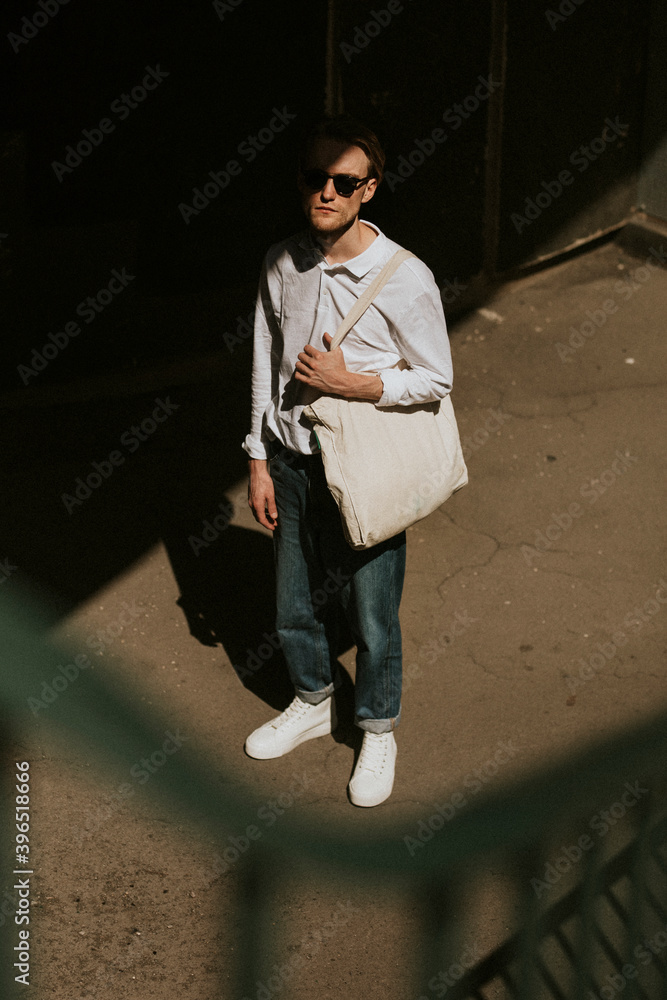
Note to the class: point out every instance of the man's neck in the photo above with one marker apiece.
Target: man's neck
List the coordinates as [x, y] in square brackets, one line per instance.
[341, 247]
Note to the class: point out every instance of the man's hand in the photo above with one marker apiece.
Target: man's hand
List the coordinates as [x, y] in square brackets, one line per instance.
[261, 494]
[326, 371]
[323, 370]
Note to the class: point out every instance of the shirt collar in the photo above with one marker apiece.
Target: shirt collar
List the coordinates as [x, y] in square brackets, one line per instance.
[357, 266]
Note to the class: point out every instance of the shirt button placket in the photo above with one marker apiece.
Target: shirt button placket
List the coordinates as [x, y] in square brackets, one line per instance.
[323, 303]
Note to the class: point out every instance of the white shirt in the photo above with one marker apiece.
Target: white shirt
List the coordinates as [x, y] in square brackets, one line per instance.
[301, 297]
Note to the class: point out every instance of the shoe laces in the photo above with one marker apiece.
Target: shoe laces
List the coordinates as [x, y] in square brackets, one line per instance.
[293, 713]
[374, 751]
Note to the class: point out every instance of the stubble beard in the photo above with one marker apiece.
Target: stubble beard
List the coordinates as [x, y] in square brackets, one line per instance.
[330, 232]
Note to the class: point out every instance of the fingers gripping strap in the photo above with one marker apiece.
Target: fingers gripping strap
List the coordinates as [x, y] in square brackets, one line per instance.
[364, 300]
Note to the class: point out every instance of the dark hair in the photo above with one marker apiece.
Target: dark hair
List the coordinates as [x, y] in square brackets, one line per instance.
[346, 129]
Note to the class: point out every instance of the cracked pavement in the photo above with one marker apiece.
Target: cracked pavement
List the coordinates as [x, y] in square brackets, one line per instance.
[549, 551]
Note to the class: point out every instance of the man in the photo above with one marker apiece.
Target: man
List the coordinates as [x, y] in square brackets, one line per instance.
[308, 285]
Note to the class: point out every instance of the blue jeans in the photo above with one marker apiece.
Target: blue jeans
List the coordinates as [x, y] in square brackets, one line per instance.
[317, 575]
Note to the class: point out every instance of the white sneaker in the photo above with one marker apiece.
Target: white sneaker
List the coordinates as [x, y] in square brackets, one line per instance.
[299, 722]
[373, 777]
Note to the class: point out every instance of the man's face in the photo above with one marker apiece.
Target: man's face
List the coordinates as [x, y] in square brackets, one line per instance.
[327, 211]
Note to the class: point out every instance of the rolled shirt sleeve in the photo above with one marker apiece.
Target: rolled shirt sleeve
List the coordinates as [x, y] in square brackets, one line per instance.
[266, 340]
[420, 335]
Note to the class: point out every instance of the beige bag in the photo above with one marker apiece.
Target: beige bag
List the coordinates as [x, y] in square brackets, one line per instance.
[386, 467]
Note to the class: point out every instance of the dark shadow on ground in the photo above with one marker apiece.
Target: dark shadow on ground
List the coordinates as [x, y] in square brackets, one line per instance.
[228, 598]
[91, 487]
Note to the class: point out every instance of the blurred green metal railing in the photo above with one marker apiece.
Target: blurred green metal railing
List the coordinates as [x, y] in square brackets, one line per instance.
[574, 947]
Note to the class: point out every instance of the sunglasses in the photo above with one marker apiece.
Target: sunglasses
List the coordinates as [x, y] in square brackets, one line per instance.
[343, 183]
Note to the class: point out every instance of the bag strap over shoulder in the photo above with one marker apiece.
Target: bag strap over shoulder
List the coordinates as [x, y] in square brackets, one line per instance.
[364, 300]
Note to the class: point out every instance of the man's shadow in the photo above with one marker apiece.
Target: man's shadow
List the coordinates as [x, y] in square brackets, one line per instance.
[228, 597]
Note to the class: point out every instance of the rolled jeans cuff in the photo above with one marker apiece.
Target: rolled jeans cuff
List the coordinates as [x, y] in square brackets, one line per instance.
[316, 697]
[377, 725]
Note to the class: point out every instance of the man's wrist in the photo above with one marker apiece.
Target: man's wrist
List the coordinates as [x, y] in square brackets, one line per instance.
[360, 386]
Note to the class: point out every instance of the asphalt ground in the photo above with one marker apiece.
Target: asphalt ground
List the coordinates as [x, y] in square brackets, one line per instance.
[530, 621]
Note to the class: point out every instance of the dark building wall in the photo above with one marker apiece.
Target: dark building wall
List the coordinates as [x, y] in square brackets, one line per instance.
[490, 193]
[573, 108]
[480, 105]
[239, 80]
[415, 76]
[653, 176]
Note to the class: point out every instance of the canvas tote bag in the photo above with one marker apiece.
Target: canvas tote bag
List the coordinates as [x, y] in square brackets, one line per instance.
[386, 467]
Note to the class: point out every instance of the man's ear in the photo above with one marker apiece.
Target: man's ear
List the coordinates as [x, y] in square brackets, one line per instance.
[371, 188]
